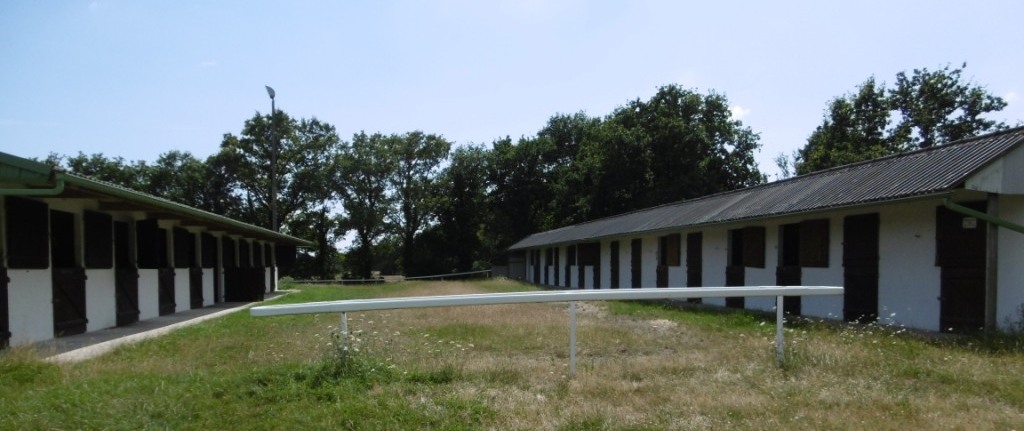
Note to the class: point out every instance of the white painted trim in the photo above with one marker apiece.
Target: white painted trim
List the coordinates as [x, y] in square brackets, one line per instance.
[538, 297]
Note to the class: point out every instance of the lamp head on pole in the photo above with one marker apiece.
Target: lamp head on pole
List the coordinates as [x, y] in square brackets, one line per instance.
[270, 92]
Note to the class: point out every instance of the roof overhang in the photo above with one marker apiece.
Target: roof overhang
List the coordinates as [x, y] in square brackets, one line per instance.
[30, 178]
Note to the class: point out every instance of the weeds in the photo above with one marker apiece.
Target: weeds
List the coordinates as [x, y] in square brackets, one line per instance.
[504, 367]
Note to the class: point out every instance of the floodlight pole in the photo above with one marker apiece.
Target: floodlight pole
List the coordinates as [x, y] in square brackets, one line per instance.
[273, 162]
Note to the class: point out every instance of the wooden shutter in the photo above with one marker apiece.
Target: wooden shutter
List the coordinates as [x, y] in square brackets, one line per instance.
[814, 242]
[753, 246]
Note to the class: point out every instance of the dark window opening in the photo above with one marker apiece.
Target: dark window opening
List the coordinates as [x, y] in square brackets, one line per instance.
[99, 240]
[813, 243]
[243, 254]
[790, 243]
[151, 244]
[746, 247]
[209, 246]
[27, 233]
[228, 245]
[184, 248]
[669, 250]
[62, 239]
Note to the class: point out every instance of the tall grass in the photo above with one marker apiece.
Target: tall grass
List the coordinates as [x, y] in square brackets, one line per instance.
[641, 366]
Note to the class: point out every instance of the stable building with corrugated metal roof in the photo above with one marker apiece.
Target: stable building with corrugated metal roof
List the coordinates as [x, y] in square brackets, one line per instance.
[80, 255]
[930, 239]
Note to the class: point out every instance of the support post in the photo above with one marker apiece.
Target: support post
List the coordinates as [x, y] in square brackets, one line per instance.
[344, 331]
[992, 265]
[572, 338]
[779, 341]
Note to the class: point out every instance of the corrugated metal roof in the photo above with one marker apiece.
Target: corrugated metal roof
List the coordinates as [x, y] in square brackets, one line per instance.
[918, 173]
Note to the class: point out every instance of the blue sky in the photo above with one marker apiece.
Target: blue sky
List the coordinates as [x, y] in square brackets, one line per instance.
[139, 78]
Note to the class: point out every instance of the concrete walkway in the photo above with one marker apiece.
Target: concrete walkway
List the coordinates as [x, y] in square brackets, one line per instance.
[76, 348]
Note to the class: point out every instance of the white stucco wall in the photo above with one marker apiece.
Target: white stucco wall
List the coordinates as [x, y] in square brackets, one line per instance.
[909, 281]
[268, 279]
[606, 265]
[207, 287]
[182, 294]
[588, 277]
[677, 274]
[829, 307]
[100, 299]
[715, 249]
[30, 299]
[1010, 294]
[763, 276]
[149, 294]
[649, 275]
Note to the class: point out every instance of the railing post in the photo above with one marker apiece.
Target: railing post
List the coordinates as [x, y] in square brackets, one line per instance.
[572, 338]
[344, 331]
[778, 331]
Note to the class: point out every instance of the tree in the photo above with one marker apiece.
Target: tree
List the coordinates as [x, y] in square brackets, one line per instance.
[520, 195]
[417, 157]
[937, 107]
[115, 170]
[180, 177]
[854, 129]
[323, 228]
[298, 153]
[365, 167]
[925, 108]
[461, 214]
[696, 147]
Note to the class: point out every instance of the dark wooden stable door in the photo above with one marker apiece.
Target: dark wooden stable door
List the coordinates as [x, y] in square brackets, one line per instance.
[860, 268]
[165, 285]
[195, 284]
[126, 278]
[636, 262]
[694, 262]
[613, 265]
[735, 272]
[68, 280]
[788, 273]
[961, 243]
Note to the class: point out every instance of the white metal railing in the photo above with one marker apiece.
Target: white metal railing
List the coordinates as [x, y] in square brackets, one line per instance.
[570, 296]
[454, 275]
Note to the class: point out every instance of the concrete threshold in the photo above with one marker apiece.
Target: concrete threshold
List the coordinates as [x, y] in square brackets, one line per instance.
[81, 347]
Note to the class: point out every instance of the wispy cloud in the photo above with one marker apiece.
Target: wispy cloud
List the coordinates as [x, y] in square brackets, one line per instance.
[738, 112]
[1011, 97]
[13, 122]
[208, 63]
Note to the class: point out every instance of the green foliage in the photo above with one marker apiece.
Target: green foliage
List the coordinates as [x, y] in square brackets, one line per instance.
[365, 165]
[414, 182]
[417, 207]
[925, 108]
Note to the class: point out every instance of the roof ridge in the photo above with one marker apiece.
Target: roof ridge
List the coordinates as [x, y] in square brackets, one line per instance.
[901, 176]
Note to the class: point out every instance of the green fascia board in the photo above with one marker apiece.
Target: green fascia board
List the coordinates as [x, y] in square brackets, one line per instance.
[174, 207]
[14, 169]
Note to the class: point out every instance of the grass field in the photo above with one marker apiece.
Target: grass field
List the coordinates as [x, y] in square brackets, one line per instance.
[641, 367]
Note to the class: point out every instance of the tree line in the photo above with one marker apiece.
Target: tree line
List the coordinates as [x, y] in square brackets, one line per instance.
[414, 203]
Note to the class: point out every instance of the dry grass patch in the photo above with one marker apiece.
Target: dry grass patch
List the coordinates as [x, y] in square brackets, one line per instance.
[640, 366]
[657, 371]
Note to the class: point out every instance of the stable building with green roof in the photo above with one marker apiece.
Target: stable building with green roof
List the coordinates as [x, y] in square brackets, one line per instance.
[930, 239]
[80, 255]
